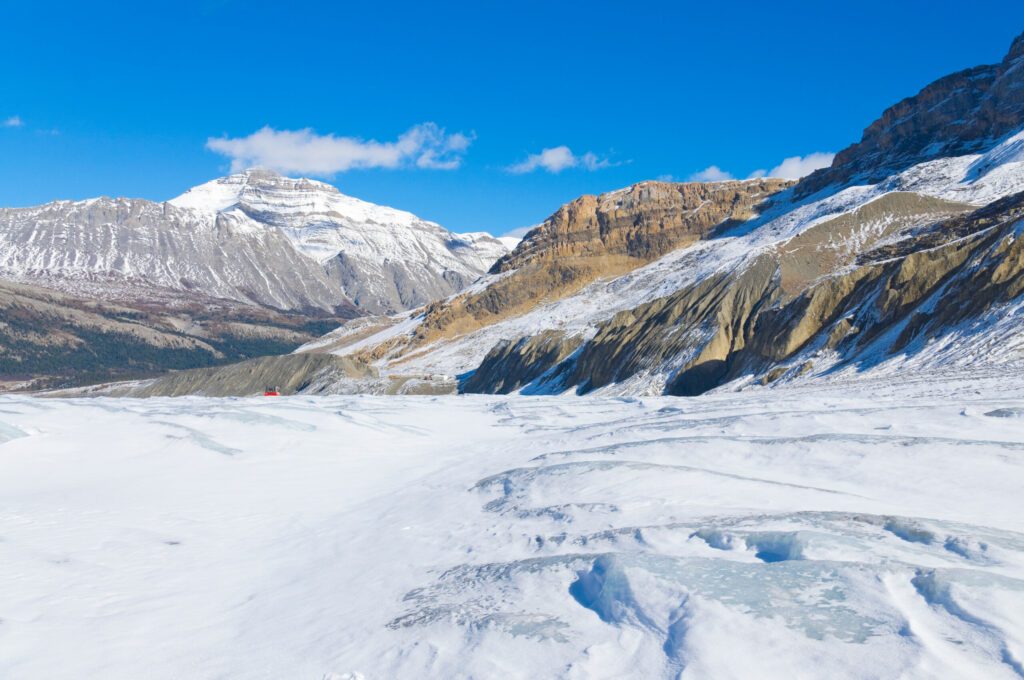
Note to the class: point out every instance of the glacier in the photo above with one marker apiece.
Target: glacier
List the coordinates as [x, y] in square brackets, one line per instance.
[860, 528]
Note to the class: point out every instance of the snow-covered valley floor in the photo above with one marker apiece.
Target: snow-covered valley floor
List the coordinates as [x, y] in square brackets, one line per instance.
[862, 530]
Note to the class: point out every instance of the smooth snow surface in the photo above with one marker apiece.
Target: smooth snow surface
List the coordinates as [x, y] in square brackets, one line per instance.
[869, 529]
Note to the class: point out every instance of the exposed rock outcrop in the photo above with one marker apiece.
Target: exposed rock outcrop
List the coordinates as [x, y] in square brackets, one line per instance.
[643, 221]
[595, 237]
[695, 331]
[842, 241]
[707, 332]
[915, 296]
[512, 364]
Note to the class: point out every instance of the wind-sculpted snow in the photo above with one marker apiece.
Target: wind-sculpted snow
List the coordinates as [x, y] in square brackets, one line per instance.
[864, 529]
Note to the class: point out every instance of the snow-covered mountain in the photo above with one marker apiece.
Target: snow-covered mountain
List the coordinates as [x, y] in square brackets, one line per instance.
[254, 237]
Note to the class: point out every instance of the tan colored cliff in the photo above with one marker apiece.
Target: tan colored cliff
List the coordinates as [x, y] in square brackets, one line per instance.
[596, 237]
[643, 221]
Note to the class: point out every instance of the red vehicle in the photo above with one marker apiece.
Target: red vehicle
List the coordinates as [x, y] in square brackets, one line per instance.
[271, 392]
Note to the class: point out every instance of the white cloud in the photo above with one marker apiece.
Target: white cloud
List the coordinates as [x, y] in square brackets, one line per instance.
[520, 232]
[557, 159]
[796, 167]
[592, 162]
[438, 151]
[712, 173]
[305, 152]
[13, 121]
[793, 167]
[552, 160]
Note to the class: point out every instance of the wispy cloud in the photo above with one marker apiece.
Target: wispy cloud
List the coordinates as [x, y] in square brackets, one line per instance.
[305, 152]
[13, 121]
[712, 173]
[793, 167]
[519, 232]
[796, 167]
[559, 158]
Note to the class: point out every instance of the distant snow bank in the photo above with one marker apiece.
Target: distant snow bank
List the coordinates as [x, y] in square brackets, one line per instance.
[872, 526]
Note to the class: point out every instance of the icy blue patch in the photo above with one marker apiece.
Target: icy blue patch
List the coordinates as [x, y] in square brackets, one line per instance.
[9, 432]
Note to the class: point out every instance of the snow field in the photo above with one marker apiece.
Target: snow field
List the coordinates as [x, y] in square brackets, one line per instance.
[868, 529]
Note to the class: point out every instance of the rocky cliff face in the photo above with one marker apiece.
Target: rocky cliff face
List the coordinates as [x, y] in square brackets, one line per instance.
[922, 266]
[513, 364]
[643, 221]
[959, 114]
[597, 237]
[934, 266]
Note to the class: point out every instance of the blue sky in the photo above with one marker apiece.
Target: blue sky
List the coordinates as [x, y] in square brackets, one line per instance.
[445, 109]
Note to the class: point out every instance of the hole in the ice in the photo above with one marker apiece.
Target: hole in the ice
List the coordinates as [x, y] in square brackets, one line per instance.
[715, 538]
[605, 590]
[770, 547]
[770, 556]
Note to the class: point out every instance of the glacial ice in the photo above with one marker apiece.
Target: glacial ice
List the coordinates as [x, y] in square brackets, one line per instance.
[867, 529]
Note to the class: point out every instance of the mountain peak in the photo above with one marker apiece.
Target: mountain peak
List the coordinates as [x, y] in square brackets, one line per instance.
[226, 192]
[267, 178]
[259, 172]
